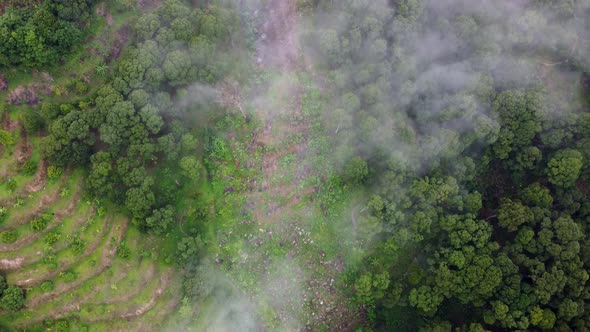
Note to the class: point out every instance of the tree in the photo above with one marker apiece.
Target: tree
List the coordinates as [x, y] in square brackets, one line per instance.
[150, 116]
[356, 171]
[160, 220]
[72, 10]
[191, 167]
[118, 121]
[371, 287]
[426, 299]
[13, 298]
[564, 168]
[139, 200]
[139, 98]
[177, 68]
[520, 119]
[512, 214]
[33, 121]
[3, 284]
[34, 36]
[549, 284]
[147, 25]
[536, 195]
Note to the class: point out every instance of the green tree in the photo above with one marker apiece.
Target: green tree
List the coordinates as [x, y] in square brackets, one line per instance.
[161, 219]
[564, 168]
[191, 167]
[512, 214]
[426, 299]
[178, 68]
[13, 298]
[520, 120]
[356, 170]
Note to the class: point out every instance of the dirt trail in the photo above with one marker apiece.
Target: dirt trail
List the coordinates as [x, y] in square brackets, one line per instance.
[23, 150]
[11, 264]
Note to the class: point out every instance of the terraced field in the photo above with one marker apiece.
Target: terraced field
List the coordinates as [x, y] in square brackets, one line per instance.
[75, 261]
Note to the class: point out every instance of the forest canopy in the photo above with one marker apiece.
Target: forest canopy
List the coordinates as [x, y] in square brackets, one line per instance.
[387, 165]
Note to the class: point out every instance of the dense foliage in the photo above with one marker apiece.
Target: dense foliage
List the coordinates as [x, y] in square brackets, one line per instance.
[133, 123]
[39, 35]
[472, 163]
[12, 298]
[481, 178]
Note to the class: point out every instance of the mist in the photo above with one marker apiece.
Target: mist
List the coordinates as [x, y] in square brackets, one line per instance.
[419, 97]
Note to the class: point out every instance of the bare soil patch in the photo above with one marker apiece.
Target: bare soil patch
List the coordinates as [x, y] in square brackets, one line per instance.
[28, 94]
[279, 42]
[3, 82]
[104, 12]
[9, 124]
[119, 41]
[147, 5]
[11, 264]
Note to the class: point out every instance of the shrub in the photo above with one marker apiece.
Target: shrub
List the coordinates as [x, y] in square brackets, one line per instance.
[13, 298]
[61, 326]
[40, 223]
[81, 87]
[78, 246]
[64, 192]
[8, 236]
[54, 172]
[47, 286]
[69, 276]
[33, 121]
[3, 214]
[123, 251]
[51, 260]
[3, 284]
[51, 238]
[29, 167]
[11, 185]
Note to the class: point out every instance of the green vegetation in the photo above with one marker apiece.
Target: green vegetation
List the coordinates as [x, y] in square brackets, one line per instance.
[405, 165]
